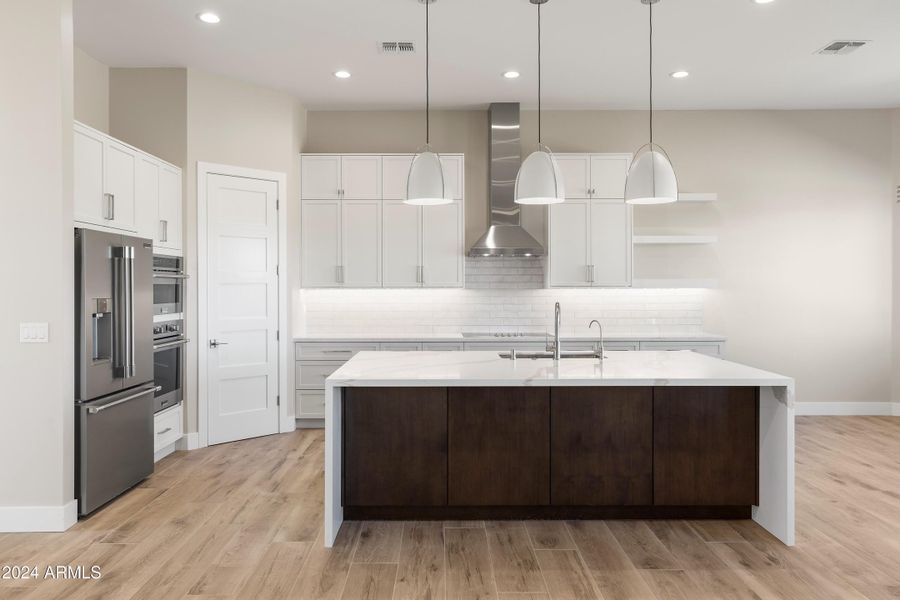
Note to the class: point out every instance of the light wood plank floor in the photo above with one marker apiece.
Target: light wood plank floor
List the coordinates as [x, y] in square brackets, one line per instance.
[243, 520]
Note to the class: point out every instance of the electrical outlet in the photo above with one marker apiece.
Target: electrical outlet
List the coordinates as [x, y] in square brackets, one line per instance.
[34, 333]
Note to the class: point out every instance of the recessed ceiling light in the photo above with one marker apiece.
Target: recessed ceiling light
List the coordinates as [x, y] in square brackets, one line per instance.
[209, 17]
[679, 74]
[511, 74]
[763, 1]
[342, 74]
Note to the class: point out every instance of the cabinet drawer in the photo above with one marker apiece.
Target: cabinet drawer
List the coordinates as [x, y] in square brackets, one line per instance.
[709, 348]
[309, 404]
[443, 346]
[504, 346]
[167, 428]
[401, 346]
[313, 374]
[331, 351]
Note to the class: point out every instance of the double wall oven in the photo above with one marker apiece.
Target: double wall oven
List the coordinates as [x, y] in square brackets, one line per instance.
[168, 330]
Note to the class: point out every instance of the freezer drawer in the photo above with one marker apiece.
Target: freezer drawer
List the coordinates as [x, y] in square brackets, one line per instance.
[114, 444]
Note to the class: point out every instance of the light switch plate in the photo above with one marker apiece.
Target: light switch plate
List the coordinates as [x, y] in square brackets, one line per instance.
[34, 333]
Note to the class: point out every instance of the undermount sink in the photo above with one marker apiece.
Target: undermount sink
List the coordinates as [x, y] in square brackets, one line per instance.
[537, 355]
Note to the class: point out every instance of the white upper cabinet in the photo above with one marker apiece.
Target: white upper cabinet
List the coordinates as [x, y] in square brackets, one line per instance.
[610, 243]
[401, 243]
[608, 173]
[361, 243]
[443, 257]
[120, 188]
[169, 214]
[576, 174]
[361, 177]
[320, 233]
[320, 177]
[570, 251]
[91, 205]
[453, 176]
[394, 173]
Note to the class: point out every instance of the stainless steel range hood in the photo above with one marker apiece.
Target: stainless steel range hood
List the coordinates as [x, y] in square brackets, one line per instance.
[505, 236]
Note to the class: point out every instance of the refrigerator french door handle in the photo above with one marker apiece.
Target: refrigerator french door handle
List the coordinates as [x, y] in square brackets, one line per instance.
[129, 262]
[119, 311]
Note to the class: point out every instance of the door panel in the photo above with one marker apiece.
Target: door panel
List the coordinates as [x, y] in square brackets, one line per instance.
[120, 170]
[570, 243]
[320, 177]
[361, 243]
[321, 242]
[394, 173]
[361, 177]
[89, 203]
[401, 243]
[395, 444]
[499, 446]
[243, 307]
[611, 243]
[602, 446]
[608, 176]
[576, 174]
[442, 245]
[705, 446]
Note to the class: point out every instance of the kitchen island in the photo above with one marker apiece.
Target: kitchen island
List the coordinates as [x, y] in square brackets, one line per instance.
[471, 435]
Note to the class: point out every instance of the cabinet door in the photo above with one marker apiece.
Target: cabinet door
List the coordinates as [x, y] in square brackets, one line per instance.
[499, 446]
[120, 174]
[146, 199]
[90, 205]
[601, 446]
[401, 238]
[320, 231]
[569, 250]
[608, 175]
[361, 177]
[442, 245]
[320, 177]
[361, 243]
[453, 176]
[394, 174]
[170, 207]
[395, 447]
[705, 446]
[576, 174]
[610, 243]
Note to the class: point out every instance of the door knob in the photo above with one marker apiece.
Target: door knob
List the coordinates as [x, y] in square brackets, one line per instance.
[216, 343]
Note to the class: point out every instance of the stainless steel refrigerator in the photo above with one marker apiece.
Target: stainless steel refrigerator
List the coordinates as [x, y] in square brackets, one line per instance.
[113, 365]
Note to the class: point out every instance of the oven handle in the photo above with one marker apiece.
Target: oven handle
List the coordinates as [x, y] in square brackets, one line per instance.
[168, 345]
[163, 275]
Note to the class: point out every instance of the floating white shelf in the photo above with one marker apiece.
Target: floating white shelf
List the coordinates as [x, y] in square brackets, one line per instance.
[698, 197]
[674, 283]
[674, 239]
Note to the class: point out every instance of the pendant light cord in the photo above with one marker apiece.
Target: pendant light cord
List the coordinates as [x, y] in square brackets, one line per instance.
[540, 139]
[651, 75]
[427, 78]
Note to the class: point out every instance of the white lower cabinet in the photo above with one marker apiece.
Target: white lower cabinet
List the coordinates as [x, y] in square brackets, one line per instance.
[167, 430]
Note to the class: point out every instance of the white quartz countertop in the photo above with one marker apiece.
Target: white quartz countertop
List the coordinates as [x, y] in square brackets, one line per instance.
[482, 368]
[693, 336]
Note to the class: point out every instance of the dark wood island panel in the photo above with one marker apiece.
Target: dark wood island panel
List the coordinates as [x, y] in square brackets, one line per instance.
[395, 446]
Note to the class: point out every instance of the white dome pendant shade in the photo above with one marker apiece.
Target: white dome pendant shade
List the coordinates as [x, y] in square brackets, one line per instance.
[425, 184]
[651, 178]
[539, 180]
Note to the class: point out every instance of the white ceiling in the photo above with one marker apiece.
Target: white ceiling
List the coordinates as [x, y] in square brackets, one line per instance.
[739, 54]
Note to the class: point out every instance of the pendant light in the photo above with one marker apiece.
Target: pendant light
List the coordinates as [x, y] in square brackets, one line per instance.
[425, 182]
[651, 177]
[539, 180]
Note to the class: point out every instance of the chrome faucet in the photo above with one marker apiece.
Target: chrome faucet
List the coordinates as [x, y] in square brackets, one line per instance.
[598, 348]
[556, 348]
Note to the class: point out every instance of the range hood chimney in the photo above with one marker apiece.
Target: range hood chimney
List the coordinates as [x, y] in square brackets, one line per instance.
[505, 236]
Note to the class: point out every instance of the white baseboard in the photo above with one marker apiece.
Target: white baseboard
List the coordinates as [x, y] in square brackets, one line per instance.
[189, 441]
[21, 519]
[310, 423]
[879, 409]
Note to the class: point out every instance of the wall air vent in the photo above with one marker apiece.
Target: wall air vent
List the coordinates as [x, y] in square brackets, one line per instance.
[398, 47]
[842, 47]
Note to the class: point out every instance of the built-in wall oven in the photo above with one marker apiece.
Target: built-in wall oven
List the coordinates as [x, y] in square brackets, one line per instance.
[168, 360]
[168, 285]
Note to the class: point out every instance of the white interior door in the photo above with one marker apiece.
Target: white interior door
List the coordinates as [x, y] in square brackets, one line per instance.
[242, 311]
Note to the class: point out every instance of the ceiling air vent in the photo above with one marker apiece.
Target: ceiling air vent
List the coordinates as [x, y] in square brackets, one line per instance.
[842, 47]
[398, 47]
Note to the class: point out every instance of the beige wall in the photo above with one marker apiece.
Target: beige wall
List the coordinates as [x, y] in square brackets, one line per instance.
[91, 91]
[36, 431]
[804, 220]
